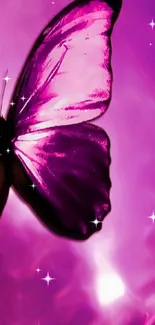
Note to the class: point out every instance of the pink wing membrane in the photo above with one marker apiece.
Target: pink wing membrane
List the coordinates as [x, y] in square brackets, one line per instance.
[68, 76]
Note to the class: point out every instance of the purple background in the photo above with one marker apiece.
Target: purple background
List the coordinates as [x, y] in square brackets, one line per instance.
[125, 249]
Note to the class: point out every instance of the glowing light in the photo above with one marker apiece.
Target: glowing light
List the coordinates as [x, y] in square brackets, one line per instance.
[152, 217]
[12, 103]
[109, 288]
[7, 78]
[33, 186]
[152, 24]
[48, 278]
[23, 98]
[96, 222]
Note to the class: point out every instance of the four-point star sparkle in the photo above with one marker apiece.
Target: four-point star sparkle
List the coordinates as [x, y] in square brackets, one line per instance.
[23, 98]
[38, 270]
[12, 103]
[6, 78]
[48, 278]
[33, 186]
[96, 222]
[152, 24]
[152, 217]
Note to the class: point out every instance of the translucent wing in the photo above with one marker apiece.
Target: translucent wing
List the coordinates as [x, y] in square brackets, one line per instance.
[69, 167]
[67, 78]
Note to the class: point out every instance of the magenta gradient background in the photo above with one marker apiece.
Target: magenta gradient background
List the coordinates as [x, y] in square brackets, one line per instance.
[126, 245]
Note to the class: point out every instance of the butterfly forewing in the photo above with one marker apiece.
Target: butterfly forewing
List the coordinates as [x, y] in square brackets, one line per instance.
[67, 78]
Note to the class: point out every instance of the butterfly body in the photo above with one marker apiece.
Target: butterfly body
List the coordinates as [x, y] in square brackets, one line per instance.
[3, 136]
[54, 157]
[5, 171]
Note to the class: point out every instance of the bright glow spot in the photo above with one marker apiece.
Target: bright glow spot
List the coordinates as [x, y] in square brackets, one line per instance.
[7, 78]
[109, 288]
[152, 217]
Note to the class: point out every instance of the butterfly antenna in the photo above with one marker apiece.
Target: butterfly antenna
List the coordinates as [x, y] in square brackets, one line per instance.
[3, 91]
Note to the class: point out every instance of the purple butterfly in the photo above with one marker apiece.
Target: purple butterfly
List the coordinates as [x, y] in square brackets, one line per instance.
[55, 159]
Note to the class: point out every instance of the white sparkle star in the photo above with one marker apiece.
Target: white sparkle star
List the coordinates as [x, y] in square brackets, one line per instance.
[7, 78]
[152, 24]
[23, 98]
[48, 278]
[38, 270]
[96, 222]
[152, 217]
[33, 186]
[12, 103]
[8, 150]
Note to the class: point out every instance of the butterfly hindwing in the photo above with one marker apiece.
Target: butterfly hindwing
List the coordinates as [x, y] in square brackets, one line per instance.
[69, 166]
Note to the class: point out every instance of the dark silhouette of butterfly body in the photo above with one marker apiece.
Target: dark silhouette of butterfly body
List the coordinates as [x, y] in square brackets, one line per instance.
[3, 135]
[5, 176]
